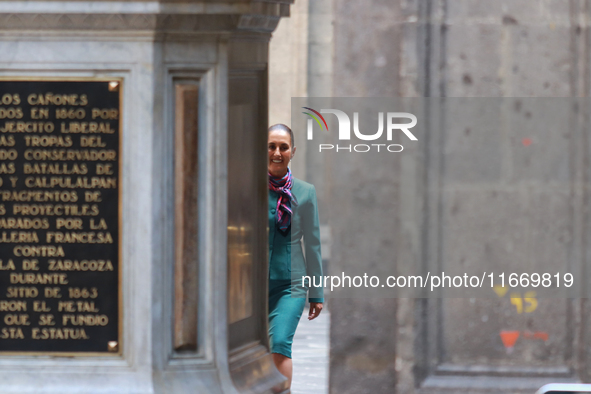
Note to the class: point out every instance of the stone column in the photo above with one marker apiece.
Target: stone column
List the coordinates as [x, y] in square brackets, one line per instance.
[192, 252]
[538, 198]
[525, 183]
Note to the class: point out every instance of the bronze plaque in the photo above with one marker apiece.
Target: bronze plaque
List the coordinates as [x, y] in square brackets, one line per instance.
[60, 216]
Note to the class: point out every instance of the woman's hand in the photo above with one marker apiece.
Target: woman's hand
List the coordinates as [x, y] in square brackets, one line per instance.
[315, 308]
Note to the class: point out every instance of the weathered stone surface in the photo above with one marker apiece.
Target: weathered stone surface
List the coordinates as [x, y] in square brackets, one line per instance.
[505, 187]
[367, 49]
[363, 345]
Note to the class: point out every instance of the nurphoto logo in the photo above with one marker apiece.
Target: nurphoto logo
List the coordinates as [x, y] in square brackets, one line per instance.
[393, 125]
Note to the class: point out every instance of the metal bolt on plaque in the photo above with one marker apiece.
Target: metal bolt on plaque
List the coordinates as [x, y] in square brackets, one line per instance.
[113, 346]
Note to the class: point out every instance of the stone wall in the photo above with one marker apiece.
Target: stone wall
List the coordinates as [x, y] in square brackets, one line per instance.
[528, 176]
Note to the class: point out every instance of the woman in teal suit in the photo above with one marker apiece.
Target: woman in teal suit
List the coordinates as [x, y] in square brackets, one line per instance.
[293, 215]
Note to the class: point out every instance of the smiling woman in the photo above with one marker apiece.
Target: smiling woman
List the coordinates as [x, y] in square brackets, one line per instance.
[281, 149]
[293, 215]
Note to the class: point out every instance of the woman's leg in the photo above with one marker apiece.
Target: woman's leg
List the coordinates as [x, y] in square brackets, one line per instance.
[284, 365]
[284, 315]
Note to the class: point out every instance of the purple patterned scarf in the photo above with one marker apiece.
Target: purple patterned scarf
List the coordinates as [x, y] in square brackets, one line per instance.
[282, 186]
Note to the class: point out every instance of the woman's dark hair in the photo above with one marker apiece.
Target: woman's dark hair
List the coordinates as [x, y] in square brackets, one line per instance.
[282, 127]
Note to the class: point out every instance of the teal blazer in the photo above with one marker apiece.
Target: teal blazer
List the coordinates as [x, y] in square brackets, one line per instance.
[286, 257]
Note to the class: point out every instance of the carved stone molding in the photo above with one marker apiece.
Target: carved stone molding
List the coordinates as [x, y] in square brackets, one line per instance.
[260, 16]
[158, 23]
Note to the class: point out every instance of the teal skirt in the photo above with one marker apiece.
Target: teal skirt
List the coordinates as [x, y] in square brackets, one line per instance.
[286, 304]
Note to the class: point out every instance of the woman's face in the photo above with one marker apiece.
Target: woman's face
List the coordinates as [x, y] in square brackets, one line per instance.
[280, 152]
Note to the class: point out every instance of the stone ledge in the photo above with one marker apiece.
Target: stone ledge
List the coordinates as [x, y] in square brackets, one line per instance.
[122, 22]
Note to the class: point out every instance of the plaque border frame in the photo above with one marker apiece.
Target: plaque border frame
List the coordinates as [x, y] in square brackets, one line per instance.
[119, 352]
